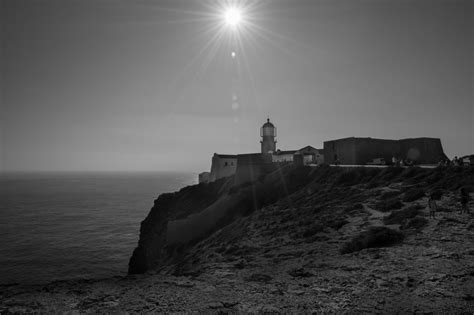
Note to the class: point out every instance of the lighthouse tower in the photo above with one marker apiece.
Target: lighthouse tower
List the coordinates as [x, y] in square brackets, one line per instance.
[268, 134]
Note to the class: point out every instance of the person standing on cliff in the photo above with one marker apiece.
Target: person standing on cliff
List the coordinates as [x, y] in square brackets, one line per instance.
[464, 200]
[432, 206]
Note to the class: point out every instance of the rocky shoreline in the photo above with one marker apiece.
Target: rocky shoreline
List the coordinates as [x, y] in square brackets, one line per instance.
[286, 254]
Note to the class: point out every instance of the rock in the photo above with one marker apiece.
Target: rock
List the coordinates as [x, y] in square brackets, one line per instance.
[268, 309]
[276, 291]
[110, 303]
[296, 291]
[185, 283]
[208, 288]
[240, 265]
[410, 282]
[215, 305]
[229, 304]
[259, 277]
[470, 251]
[299, 273]
[382, 283]
[468, 297]
[152, 241]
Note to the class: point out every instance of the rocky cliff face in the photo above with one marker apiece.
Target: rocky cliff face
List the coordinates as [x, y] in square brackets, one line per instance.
[171, 206]
[182, 219]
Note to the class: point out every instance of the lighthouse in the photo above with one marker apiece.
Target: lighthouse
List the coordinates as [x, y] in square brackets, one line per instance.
[268, 134]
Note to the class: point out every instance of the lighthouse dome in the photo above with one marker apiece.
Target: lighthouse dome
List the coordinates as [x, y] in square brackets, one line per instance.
[268, 124]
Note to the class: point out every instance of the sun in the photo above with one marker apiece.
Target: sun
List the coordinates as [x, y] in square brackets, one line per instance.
[233, 17]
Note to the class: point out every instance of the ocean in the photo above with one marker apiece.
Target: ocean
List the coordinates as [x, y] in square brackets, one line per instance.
[56, 226]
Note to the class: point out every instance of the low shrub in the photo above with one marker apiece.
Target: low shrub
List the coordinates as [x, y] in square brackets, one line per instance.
[312, 230]
[389, 204]
[348, 177]
[445, 209]
[299, 273]
[376, 236]
[416, 223]
[357, 206]
[389, 195]
[259, 277]
[372, 184]
[437, 194]
[337, 223]
[410, 172]
[390, 173]
[413, 194]
[400, 217]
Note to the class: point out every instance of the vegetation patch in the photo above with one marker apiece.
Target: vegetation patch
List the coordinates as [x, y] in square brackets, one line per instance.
[376, 236]
[356, 206]
[312, 230]
[401, 216]
[413, 194]
[416, 223]
[349, 177]
[299, 273]
[411, 172]
[389, 204]
[389, 195]
[259, 277]
[373, 184]
[437, 194]
[390, 173]
[355, 209]
[336, 223]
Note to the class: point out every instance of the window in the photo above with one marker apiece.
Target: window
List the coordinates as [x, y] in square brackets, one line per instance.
[225, 164]
[232, 163]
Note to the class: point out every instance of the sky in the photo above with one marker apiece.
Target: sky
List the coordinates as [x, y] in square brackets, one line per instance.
[152, 85]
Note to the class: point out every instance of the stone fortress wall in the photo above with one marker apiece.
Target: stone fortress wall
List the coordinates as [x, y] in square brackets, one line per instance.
[358, 151]
[223, 165]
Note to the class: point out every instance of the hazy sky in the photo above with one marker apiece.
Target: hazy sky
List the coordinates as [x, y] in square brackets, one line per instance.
[149, 85]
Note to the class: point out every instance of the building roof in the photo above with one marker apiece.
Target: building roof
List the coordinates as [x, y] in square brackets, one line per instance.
[280, 152]
[307, 147]
[302, 150]
[320, 151]
[358, 138]
[226, 156]
[268, 124]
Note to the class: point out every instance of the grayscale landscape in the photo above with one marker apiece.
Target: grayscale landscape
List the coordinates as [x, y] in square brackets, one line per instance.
[236, 156]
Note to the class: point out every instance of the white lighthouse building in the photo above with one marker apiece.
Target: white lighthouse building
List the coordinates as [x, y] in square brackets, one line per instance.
[268, 133]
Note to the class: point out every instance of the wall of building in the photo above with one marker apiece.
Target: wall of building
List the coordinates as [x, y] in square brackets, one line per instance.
[251, 166]
[358, 151]
[222, 166]
[282, 157]
[268, 144]
[344, 148]
[422, 150]
[204, 177]
[312, 155]
[367, 149]
[320, 158]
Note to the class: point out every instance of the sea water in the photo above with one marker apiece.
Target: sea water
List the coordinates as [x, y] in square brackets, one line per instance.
[56, 226]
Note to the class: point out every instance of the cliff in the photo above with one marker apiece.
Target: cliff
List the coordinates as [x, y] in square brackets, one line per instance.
[180, 220]
[298, 240]
[184, 218]
[171, 206]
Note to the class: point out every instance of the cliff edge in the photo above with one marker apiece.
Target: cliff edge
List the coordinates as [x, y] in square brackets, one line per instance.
[179, 220]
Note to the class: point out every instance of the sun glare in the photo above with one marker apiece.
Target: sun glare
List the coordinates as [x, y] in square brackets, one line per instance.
[233, 17]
